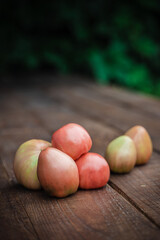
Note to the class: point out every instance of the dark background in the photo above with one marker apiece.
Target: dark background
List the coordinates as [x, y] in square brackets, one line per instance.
[111, 42]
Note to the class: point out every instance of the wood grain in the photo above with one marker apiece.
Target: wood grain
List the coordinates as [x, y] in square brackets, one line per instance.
[142, 178]
[85, 215]
[14, 221]
[58, 115]
[128, 99]
[88, 103]
[119, 96]
[100, 214]
[128, 208]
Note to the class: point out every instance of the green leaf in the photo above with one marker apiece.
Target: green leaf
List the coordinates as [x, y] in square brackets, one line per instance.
[99, 66]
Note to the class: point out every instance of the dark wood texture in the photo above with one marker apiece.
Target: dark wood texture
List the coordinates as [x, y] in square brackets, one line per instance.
[127, 208]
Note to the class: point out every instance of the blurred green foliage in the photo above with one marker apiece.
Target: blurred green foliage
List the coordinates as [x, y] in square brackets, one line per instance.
[113, 42]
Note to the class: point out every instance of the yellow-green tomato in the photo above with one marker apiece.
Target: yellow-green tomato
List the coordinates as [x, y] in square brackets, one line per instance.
[121, 154]
[26, 160]
[142, 142]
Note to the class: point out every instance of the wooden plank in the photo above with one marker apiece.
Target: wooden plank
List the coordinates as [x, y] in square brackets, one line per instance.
[14, 221]
[55, 115]
[100, 214]
[140, 103]
[13, 113]
[110, 114]
[96, 214]
[107, 207]
[101, 136]
[119, 96]
[142, 186]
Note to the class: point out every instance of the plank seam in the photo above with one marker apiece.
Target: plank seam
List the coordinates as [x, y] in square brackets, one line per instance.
[11, 180]
[122, 104]
[96, 119]
[133, 203]
[5, 169]
[30, 221]
[114, 186]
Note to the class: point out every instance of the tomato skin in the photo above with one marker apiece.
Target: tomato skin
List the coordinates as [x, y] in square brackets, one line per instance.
[142, 142]
[57, 173]
[121, 154]
[25, 162]
[72, 139]
[93, 170]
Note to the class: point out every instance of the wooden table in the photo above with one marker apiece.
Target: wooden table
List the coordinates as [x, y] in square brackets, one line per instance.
[128, 207]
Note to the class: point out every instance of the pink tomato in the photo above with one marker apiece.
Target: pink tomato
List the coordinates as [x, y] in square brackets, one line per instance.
[57, 173]
[142, 142]
[72, 139]
[93, 171]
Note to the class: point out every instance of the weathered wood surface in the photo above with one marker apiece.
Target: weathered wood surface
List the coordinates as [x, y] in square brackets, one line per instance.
[127, 208]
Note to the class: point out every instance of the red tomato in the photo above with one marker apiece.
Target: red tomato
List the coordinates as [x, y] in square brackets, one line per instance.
[72, 139]
[93, 170]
